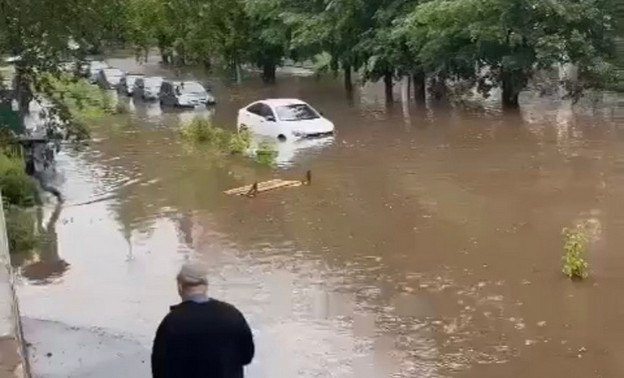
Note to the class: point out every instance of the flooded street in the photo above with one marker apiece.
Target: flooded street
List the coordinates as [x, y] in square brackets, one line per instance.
[428, 245]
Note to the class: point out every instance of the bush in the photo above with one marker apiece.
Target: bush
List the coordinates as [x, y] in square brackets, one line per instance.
[16, 186]
[266, 153]
[239, 143]
[19, 192]
[201, 130]
[121, 108]
[574, 248]
[20, 224]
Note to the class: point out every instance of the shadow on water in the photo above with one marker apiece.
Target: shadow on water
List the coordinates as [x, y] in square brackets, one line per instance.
[427, 246]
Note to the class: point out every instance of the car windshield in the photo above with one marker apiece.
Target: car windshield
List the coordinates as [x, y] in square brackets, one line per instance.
[296, 112]
[191, 88]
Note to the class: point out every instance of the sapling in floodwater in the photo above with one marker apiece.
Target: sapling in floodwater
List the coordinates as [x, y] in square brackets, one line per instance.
[574, 248]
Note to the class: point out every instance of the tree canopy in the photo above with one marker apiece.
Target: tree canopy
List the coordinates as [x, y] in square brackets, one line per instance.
[489, 43]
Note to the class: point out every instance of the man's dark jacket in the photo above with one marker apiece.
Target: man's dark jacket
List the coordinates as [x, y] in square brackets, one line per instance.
[202, 339]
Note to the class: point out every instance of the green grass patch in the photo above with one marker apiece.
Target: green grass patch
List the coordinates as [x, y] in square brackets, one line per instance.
[574, 250]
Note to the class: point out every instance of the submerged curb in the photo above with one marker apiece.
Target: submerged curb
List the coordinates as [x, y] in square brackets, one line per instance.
[13, 363]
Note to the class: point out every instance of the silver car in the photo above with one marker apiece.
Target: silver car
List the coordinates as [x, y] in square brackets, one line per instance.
[148, 88]
[109, 78]
[93, 70]
[184, 94]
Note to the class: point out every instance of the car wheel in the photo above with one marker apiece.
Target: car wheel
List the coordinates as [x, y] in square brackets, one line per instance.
[281, 138]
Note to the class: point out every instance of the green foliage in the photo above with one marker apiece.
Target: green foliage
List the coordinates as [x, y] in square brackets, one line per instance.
[505, 42]
[21, 233]
[16, 187]
[76, 102]
[574, 250]
[19, 194]
[239, 143]
[203, 131]
[266, 153]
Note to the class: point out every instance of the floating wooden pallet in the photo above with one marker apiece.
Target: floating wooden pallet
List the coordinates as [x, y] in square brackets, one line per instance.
[264, 186]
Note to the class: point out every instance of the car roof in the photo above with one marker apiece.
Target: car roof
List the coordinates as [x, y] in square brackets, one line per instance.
[135, 74]
[281, 101]
[112, 69]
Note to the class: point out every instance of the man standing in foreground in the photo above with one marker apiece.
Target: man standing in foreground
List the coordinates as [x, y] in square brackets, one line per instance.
[201, 337]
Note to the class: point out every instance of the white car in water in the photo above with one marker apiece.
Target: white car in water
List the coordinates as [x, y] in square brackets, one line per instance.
[283, 119]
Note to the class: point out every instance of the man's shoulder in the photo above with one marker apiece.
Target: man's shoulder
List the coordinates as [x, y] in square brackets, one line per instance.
[211, 305]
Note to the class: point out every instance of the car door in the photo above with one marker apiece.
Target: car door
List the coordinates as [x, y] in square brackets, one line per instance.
[250, 117]
[164, 93]
[122, 86]
[138, 87]
[267, 121]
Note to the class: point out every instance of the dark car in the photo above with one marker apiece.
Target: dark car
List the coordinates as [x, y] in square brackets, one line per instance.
[147, 87]
[92, 69]
[109, 78]
[126, 84]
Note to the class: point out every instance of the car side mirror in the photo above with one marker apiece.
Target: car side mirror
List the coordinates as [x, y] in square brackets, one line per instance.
[270, 118]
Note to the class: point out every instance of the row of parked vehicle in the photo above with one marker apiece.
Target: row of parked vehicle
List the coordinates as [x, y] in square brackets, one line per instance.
[148, 88]
[284, 119]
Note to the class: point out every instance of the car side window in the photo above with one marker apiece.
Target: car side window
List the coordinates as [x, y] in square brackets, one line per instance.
[266, 111]
[255, 109]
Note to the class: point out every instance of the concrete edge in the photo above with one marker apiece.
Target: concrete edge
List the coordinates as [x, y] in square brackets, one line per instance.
[13, 355]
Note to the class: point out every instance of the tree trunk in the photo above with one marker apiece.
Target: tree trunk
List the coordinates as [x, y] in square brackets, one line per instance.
[207, 64]
[268, 73]
[420, 88]
[388, 87]
[510, 91]
[347, 79]
[438, 88]
[239, 75]
[164, 55]
[23, 94]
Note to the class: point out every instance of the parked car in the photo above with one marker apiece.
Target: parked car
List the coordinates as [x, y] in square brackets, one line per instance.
[109, 78]
[93, 70]
[184, 94]
[126, 84]
[148, 88]
[283, 119]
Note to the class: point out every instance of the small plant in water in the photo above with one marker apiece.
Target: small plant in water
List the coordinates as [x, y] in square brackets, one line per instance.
[203, 131]
[121, 108]
[266, 153]
[239, 143]
[574, 248]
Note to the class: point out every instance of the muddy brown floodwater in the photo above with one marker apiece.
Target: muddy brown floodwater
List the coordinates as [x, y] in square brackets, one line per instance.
[428, 244]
